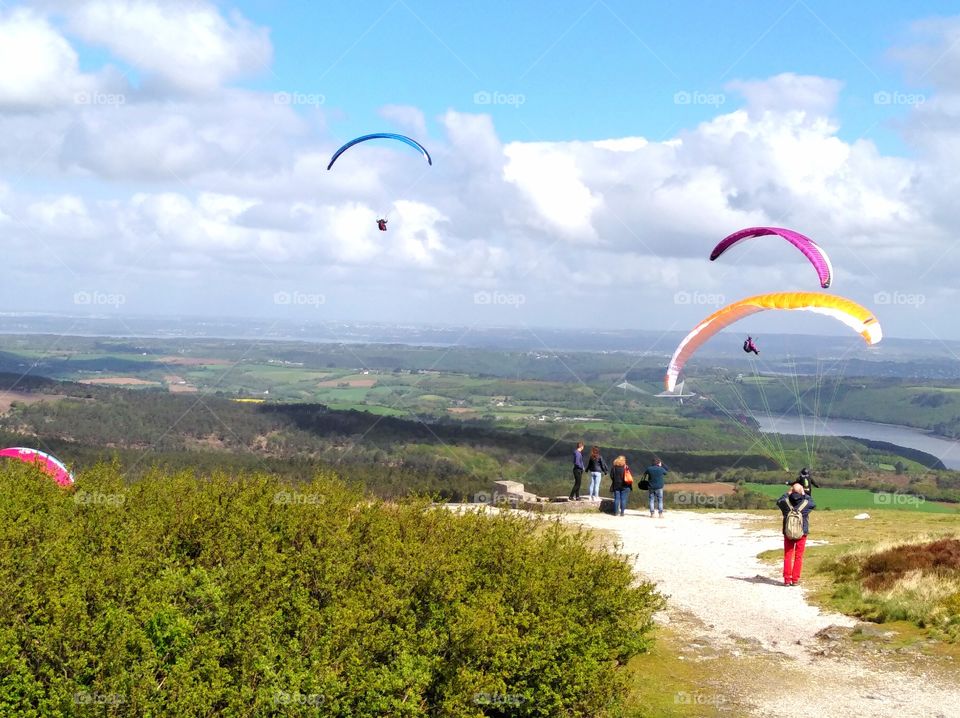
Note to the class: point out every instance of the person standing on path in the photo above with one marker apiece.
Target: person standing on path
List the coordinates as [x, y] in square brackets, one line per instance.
[597, 469]
[619, 486]
[577, 471]
[797, 502]
[654, 478]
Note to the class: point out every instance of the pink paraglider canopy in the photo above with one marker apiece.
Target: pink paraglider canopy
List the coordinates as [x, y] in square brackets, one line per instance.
[811, 250]
[48, 464]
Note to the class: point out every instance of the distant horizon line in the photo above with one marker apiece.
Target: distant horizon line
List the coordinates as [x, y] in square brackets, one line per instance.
[200, 319]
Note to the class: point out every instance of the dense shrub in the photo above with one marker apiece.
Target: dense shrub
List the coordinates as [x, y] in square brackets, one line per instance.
[184, 595]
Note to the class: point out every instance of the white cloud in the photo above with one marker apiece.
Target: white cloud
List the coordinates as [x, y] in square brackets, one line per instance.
[39, 68]
[787, 92]
[549, 176]
[186, 44]
[408, 119]
[934, 56]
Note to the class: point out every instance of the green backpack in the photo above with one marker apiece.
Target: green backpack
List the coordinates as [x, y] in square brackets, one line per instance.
[793, 526]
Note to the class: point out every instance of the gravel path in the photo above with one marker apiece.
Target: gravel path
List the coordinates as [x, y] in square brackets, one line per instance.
[707, 564]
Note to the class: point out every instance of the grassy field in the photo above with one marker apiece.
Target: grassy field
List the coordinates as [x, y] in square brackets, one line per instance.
[861, 499]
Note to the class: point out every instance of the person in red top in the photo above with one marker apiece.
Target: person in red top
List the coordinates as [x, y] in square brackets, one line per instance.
[382, 225]
[749, 346]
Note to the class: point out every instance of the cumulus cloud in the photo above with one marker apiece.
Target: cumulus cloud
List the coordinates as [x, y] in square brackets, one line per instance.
[39, 69]
[409, 119]
[184, 45]
[787, 92]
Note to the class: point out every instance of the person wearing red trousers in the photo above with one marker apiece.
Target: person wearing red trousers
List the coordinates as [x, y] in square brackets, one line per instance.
[793, 548]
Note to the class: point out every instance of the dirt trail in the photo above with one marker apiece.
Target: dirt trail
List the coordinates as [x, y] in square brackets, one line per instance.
[707, 564]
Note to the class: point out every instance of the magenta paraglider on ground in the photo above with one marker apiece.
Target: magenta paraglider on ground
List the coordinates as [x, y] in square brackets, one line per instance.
[47, 463]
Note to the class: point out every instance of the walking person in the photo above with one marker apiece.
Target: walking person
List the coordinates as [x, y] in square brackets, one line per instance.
[619, 485]
[597, 469]
[577, 471]
[795, 506]
[654, 478]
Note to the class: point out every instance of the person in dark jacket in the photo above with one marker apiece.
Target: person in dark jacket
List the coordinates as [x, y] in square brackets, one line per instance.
[597, 469]
[654, 476]
[619, 487]
[577, 472]
[793, 548]
[806, 481]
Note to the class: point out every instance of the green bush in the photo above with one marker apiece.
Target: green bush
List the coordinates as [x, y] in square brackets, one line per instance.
[184, 595]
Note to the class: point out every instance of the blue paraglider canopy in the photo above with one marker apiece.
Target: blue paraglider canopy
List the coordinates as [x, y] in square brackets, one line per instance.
[382, 136]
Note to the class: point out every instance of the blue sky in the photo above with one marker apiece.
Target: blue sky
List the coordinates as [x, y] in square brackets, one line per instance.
[148, 153]
[585, 70]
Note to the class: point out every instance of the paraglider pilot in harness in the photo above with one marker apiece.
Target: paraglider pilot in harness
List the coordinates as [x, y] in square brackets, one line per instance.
[749, 346]
[806, 481]
[382, 225]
